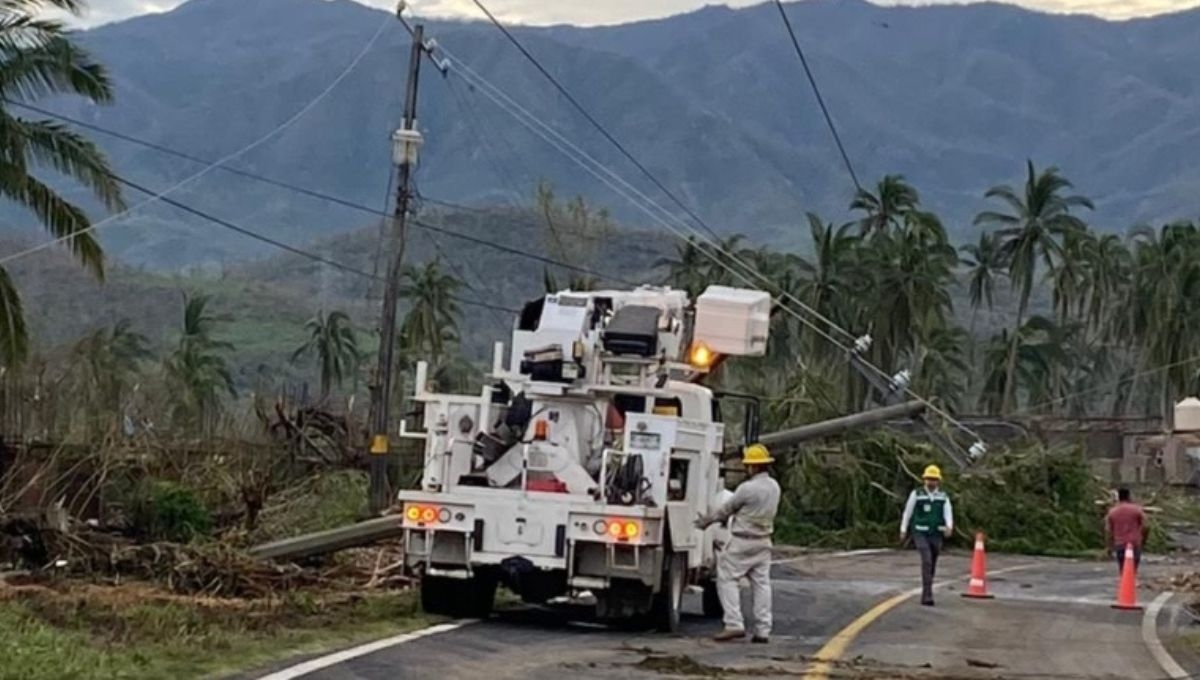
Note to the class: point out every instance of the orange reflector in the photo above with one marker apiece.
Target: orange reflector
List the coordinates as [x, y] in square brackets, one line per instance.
[428, 515]
[541, 429]
[632, 530]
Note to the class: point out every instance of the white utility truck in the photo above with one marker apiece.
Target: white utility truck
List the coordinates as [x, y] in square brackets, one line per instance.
[579, 470]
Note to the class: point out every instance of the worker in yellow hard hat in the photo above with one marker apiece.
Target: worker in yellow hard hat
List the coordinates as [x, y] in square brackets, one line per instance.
[748, 554]
[929, 517]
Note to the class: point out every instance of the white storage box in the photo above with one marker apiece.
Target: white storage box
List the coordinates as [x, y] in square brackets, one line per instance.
[1187, 415]
[733, 321]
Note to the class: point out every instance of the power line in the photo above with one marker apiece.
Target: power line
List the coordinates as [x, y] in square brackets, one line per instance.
[626, 190]
[595, 123]
[280, 244]
[496, 94]
[241, 152]
[817, 91]
[329, 198]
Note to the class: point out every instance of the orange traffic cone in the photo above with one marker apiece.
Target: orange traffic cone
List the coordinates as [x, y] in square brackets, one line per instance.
[978, 585]
[1127, 588]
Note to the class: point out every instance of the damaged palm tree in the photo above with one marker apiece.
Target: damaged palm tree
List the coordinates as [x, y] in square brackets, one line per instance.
[39, 58]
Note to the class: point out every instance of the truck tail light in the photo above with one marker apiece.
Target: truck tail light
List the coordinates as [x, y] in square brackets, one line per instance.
[426, 514]
[618, 529]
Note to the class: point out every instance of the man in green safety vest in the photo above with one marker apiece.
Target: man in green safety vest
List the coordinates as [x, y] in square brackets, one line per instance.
[928, 517]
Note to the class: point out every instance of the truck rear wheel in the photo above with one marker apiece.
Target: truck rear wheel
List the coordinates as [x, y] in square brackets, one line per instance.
[456, 598]
[668, 602]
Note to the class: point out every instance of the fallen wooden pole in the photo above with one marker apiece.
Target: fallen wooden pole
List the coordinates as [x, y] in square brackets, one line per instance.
[827, 428]
[332, 540]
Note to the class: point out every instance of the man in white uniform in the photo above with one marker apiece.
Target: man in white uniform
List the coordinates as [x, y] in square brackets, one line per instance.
[748, 554]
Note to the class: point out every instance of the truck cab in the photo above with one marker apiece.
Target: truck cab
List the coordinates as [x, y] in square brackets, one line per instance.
[579, 469]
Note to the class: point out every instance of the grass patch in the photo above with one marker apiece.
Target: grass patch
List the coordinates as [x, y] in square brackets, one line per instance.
[135, 632]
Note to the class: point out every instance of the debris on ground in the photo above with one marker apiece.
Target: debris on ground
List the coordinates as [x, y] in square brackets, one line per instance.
[53, 553]
[679, 664]
[978, 663]
[1183, 582]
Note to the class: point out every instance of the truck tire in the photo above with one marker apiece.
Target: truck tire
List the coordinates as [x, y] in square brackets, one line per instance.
[438, 596]
[478, 597]
[712, 601]
[668, 602]
[473, 598]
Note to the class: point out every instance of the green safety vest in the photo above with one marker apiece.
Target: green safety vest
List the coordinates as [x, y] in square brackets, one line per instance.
[929, 514]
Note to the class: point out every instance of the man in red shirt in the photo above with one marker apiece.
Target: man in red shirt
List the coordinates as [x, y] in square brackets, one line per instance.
[1125, 525]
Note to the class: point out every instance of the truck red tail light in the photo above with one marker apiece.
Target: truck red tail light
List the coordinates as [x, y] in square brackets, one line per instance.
[619, 529]
[426, 514]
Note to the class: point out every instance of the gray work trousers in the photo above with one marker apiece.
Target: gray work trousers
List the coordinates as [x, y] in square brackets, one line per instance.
[751, 559]
[930, 546]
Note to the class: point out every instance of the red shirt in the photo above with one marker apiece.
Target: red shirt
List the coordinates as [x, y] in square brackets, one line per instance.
[1125, 523]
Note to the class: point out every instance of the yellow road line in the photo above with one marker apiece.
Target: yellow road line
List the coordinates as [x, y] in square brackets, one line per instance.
[836, 647]
[839, 643]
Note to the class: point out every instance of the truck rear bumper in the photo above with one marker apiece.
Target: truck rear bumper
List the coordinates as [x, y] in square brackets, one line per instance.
[586, 545]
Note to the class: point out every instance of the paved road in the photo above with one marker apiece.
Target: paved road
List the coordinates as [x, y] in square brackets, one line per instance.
[1050, 619]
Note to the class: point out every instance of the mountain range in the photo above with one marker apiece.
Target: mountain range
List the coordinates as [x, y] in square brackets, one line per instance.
[714, 103]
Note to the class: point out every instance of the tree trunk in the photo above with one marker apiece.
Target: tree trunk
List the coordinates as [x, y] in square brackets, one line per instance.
[1008, 405]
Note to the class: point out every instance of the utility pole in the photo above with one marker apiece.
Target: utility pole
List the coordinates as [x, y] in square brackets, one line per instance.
[405, 143]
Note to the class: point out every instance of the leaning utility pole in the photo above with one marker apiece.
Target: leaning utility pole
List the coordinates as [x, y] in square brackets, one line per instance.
[405, 143]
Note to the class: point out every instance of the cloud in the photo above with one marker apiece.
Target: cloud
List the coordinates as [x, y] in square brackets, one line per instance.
[592, 12]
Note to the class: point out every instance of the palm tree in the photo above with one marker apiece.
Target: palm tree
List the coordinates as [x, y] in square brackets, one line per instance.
[1109, 269]
[1030, 233]
[939, 362]
[687, 270]
[40, 58]
[907, 272]
[886, 208]
[826, 280]
[332, 339]
[1164, 305]
[1070, 275]
[431, 324]
[108, 359]
[196, 369]
[983, 268]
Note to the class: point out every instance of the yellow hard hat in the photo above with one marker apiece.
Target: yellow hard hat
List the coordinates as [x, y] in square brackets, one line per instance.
[932, 472]
[756, 454]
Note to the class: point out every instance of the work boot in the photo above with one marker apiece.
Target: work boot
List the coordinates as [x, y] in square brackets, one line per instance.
[760, 639]
[728, 635]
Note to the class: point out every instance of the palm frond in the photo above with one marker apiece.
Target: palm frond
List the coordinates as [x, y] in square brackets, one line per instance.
[14, 336]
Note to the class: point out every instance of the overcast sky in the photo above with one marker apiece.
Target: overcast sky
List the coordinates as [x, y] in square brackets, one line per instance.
[616, 11]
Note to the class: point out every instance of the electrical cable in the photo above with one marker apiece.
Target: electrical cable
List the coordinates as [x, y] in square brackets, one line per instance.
[641, 167]
[280, 244]
[583, 159]
[592, 120]
[475, 124]
[817, 91]
[241, 152]
[330, 198]
[1115, 383]
[481, 82]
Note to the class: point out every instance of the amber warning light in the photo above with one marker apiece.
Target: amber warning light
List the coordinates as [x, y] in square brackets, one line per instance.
[426, 514]
[701, 356]
[619, 529]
